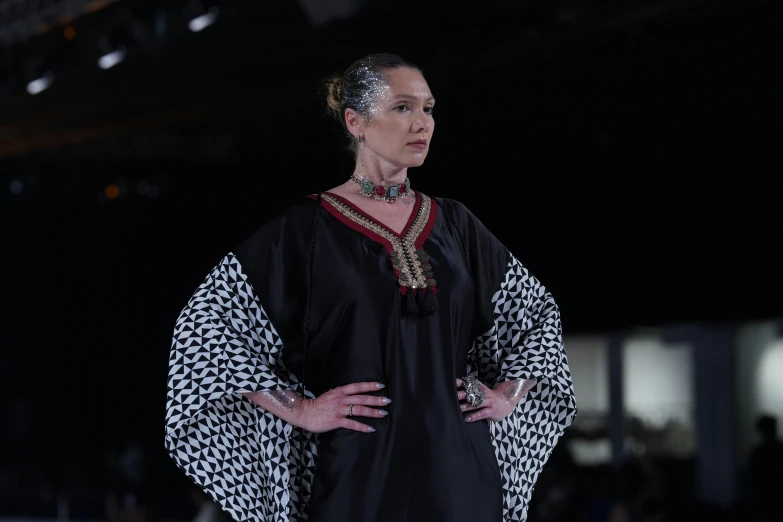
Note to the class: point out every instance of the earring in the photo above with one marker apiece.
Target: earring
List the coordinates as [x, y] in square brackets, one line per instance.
[361, 139]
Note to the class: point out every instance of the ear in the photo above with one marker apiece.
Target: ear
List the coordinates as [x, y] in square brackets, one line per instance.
[355, 122]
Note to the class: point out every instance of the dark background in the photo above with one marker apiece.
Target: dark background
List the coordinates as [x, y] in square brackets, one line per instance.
[627, 153]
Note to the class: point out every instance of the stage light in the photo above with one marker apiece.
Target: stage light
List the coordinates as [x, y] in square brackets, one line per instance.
[41, 68]
[112, 191]
[114, 46]
[69, 33]
[112, 58]
[41, 83]
[203, 20]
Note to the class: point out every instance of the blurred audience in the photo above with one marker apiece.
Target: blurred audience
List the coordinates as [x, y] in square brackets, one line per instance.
[763, 477]
[133, 483]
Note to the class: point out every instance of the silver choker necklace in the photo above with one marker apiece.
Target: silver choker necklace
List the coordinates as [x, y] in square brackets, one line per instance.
[389, 194]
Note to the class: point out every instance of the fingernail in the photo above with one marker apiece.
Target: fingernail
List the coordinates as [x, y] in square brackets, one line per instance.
[459, 381]
[386, 400]
[467, 419]
[379, 386]
[384, 412]
[462, 407]
[370, 429]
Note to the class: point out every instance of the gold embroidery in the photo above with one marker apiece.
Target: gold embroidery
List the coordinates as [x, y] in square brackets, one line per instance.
[406, 259]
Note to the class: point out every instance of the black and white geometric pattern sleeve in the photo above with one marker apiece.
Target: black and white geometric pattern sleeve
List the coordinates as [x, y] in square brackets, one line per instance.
[224, 345]
[525, 342]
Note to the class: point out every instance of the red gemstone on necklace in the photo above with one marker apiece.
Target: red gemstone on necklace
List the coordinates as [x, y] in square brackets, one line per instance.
[380, 191]
[403, 188]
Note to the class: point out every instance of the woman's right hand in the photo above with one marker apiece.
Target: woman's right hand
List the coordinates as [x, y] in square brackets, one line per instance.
[330, 410]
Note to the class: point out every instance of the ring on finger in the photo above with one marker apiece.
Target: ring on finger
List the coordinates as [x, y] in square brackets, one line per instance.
[350, 410]
[474, 393]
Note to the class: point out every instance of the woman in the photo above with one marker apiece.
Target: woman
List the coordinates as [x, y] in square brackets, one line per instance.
[373, 354]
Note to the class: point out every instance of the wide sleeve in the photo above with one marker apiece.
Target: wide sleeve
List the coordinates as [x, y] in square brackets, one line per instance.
[519, 336]
[229, 339]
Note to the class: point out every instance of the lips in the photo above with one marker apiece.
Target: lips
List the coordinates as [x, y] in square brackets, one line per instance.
[419, 144]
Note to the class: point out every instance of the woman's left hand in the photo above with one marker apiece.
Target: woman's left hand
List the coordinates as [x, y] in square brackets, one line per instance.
[495, 406]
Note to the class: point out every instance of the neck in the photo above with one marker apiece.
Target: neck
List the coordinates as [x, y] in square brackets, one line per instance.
[380, 172]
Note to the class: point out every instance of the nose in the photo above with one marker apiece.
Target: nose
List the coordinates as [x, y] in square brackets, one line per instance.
[421, 123]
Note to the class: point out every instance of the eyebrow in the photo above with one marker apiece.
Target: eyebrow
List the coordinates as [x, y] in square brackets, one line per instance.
[409, 97]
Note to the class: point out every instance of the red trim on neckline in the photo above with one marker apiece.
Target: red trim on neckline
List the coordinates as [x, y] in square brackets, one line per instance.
[425, 232]
[413, 292]
[356, 226]
[405, 229]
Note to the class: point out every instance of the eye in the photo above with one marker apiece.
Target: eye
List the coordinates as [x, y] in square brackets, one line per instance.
[403, 107]
[429, 110]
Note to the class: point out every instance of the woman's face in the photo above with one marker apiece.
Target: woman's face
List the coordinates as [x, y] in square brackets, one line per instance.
[400, 124]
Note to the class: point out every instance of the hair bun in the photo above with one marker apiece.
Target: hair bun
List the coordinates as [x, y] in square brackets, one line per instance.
[334, 93]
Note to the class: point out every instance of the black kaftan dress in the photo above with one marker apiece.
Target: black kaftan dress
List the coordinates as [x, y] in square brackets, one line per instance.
[325, 296]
